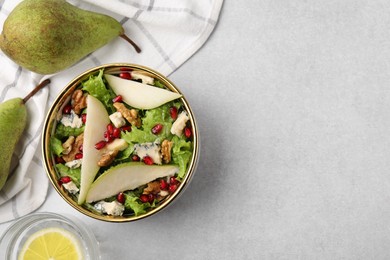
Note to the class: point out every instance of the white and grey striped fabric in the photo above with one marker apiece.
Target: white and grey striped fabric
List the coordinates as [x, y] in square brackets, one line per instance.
[168, 32]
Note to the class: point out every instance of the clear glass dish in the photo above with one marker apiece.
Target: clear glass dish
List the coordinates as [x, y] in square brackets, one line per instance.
[16, 235]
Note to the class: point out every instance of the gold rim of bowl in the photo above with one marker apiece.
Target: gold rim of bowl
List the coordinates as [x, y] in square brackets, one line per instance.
[51, 120]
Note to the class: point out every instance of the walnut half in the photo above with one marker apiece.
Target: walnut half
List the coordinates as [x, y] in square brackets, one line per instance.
[166, 147]
[131, 115]
[79, 101]
[152, 188]
[75, 148]
[107, 158]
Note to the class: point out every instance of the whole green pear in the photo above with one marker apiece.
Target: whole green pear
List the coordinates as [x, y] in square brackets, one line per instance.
[47, 36]
[13, 119]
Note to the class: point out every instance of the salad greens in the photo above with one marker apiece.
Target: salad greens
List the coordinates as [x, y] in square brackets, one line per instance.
[171, 148]
[66, 131]
[96, 87]
[74, 174]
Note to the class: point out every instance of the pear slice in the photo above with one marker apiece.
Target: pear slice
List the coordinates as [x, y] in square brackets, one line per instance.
[127, 176]
[139, 95]
[95, 126]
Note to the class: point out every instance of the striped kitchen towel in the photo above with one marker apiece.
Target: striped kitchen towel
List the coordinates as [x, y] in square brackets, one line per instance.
[168, 32]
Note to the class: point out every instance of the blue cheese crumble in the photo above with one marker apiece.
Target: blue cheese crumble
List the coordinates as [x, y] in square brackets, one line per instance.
[113, 208]
[74, 164]
[71, 187]
[152, 150]
[72, 120]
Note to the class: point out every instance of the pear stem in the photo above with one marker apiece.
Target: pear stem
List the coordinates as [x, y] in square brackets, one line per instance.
[36, 89]
[137, 49]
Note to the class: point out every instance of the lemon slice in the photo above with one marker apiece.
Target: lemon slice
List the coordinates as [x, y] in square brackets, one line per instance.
[52, 244]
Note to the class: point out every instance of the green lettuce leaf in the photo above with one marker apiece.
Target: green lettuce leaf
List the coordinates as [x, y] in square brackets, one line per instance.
[158, 84]
[74, 174]
[133, 203]
[138, 136]
[125, 154]
[66, 131]
[95, 86]
[181, 154]
[158, 115]
[56, 146]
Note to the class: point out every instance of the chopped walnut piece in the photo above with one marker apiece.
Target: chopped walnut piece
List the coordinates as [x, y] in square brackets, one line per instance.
[131, 115]
[166, 147]
[107, 158]
[67, 145]
[75, 148]
[79, 101]
[152, 188]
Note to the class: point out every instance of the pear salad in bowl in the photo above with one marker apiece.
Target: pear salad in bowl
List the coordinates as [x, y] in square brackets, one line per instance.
[120, 142]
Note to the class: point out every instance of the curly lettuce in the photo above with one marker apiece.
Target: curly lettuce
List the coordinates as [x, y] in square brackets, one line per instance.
[74, 174]
[96, 87]
[181, 154]
[56, 146]
[66, 131]
[133, 203]
[161, 116]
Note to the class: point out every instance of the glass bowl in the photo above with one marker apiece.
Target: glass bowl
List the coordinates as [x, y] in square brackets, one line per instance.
[16, 235]
[52, 120]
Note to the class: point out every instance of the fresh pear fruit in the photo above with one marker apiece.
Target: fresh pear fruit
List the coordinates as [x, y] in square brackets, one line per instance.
[13, 119]
[95, 126]
[127, 176]
[47, 36]
[140, 95]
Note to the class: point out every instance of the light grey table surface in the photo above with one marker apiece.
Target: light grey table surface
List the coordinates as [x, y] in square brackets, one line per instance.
[293, 103]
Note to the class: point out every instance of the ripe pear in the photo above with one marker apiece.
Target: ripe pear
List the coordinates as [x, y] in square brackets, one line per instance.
[140, 95]
[127, 176]
[13, 119]
[47, 36]
[94, 129]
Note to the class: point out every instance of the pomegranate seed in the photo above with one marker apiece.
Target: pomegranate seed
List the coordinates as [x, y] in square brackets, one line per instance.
[144, 198]
[107, 137]
[173, 112]
[126, 128]
[59, 159]
[67, 109]
[125, 75]
[135, 158]
[172, 180]
[100, 145]
[78, 156]
[151, 198]
[65, 179]
[116, 133]
[110, 129]
[157, 129]
[84, 118]
[117, 99]
[120, 197]
[148, 160]
[187, 132]
[163, 184]
[172, 188]
[81, 148]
